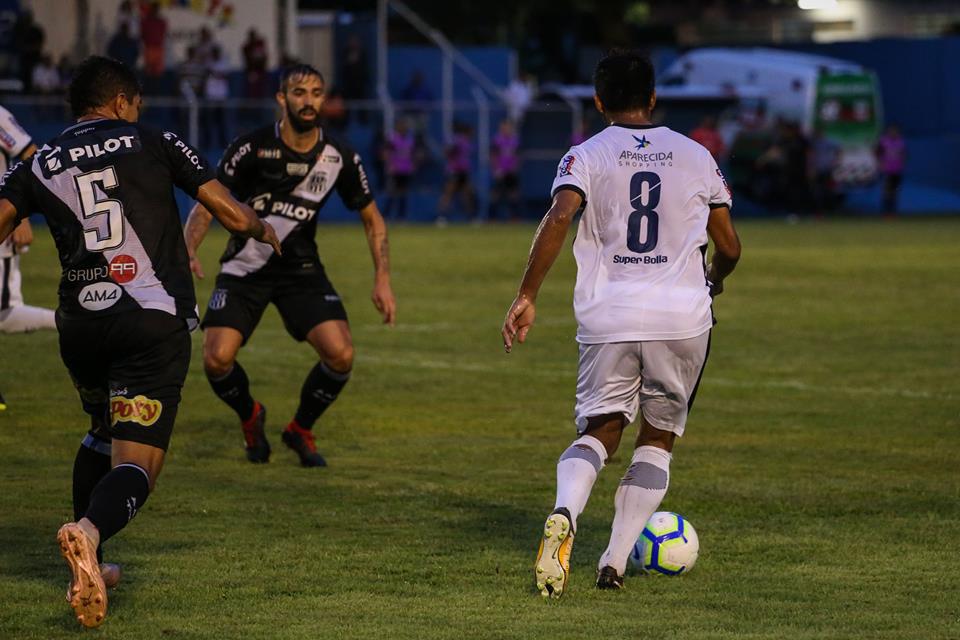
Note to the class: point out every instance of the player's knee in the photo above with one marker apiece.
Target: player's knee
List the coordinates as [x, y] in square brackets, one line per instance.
[217, 361]
[341, 359]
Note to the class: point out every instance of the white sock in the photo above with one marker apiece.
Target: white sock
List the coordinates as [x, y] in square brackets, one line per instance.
[24, 318]
[640, 492]
[577, 470]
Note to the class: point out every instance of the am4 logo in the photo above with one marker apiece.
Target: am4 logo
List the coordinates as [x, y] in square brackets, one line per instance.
[644, 223]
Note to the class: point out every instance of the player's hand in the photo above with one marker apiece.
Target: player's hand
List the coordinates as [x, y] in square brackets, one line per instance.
[518, 321]
[716, 288]
[384, 301]
[22, 235]
[196, 267]
[269, 236]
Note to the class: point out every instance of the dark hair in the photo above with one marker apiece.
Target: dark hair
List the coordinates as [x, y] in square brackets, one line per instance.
[298, 71]
[624, 80]
[98, 80]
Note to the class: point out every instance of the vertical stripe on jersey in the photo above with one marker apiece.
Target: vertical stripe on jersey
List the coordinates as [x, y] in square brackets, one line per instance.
[145, 288]
[255, 255]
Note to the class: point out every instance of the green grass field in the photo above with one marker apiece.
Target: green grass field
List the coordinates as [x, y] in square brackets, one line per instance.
[820, 466]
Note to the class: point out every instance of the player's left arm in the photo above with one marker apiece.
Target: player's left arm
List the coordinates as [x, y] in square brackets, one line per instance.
[376, 231]
[547, 244]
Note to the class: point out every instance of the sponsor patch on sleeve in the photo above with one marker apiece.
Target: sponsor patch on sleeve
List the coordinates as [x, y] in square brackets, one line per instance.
[566, 165]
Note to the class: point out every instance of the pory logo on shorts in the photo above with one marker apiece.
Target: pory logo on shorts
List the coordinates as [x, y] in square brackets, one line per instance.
[139, 409]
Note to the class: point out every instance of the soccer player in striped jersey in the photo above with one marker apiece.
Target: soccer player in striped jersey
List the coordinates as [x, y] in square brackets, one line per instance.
[127, 304]
[287, 171]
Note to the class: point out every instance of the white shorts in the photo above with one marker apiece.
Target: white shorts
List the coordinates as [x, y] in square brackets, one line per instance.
[658, 377]
[16, 317]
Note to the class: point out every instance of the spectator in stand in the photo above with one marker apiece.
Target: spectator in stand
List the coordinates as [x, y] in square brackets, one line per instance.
[192, 74]
[153, 32]
[334, 110]
[708, 136]
[128, 13]
[505, 158]
[824, 157]
[416, 90]
[354, 75]
[255, 65]
[124, 47]
[216, 89]
[459, 154]
[46, 78]
[400, 155]
[28, 39]
[518, 96]
[205, 46]
[891, 159]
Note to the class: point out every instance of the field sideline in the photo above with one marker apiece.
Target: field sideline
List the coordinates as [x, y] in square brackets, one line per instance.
[819, 466]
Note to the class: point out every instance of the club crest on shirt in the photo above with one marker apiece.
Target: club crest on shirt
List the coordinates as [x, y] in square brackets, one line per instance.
[566, 165]
[317, 182]
[218, 299]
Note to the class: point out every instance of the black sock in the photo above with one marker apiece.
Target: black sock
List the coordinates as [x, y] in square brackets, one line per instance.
[89, 467]
[234, 389]
[117, 498]
[320, 389]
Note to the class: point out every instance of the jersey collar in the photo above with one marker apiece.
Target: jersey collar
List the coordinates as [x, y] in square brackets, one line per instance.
[634, 126]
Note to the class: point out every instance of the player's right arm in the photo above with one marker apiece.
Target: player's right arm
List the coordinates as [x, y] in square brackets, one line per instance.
[547, 244]
[236, 217]
[194, 231]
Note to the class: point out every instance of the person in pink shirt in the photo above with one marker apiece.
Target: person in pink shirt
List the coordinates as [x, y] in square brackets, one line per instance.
[505, 159]
[459, 153]
[400, 158]
[891, 158]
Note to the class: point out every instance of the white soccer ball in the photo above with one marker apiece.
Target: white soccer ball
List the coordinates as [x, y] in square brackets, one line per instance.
[668, 545]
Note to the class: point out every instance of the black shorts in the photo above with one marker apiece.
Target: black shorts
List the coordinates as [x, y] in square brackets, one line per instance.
[129, 369]
[303, 300]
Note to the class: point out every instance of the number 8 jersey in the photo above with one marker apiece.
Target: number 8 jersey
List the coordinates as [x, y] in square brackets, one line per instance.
[106, 190]
[642, 240]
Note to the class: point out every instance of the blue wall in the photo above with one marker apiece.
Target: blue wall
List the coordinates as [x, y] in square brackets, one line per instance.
[920, 83]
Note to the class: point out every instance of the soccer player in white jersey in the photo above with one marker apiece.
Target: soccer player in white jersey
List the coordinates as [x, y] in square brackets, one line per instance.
[16, 317]
[650, 199]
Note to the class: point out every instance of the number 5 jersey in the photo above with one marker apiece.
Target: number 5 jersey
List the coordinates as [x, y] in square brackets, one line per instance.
[105, 188]
[642, 239]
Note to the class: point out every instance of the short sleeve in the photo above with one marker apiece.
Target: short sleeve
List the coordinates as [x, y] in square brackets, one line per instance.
[719, 194]
[188, 167]
[572, 174]
[352, 183]
[13, 139]
[237, 166]
[16, 185]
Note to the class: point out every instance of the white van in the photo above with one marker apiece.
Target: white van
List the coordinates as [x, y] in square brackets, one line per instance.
[838, 97]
